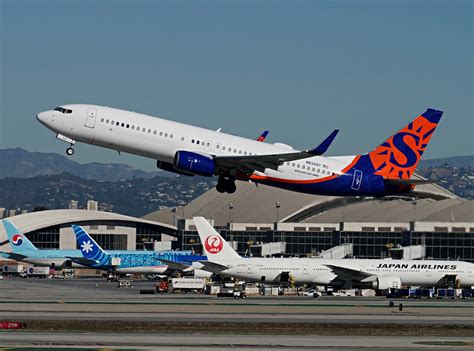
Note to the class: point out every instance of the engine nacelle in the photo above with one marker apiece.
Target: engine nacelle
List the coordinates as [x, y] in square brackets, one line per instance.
[165, 166]
[386, 282]
[191, 162]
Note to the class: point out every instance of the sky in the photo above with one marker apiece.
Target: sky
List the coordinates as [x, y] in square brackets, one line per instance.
[297, 68]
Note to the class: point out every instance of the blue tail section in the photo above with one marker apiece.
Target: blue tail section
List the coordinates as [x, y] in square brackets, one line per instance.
[89, 248]
[18, 240]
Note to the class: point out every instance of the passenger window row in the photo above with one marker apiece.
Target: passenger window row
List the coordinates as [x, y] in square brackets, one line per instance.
[137, 128]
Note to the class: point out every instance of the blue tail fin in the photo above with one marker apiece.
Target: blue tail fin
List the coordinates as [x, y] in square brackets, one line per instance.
[18, 240]
[89, 248]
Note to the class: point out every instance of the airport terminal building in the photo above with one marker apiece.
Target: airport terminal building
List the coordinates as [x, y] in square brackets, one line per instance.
[296, 224]
[52, 230]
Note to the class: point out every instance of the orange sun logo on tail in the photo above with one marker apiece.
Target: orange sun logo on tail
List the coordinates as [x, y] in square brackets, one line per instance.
[399, 155]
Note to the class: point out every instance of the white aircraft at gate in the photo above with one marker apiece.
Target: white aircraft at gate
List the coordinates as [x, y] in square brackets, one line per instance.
[189, 150]
[376, 274]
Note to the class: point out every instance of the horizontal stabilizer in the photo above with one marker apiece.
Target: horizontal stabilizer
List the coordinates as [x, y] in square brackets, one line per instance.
[173, 265]
[408, 182]
[83, 261]
[212, 267]
[14, 256]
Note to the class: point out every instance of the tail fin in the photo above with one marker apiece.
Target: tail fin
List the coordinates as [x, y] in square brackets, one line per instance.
[214, 245]
[398, 156]
[18, 240]
[263, 136]
[89, 248]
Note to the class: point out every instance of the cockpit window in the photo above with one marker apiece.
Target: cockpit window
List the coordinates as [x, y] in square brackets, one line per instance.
[63, 110]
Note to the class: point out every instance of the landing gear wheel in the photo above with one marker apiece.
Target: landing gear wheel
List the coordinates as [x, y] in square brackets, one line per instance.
[221, 186]
[230, 187]
[70, 151]
[226, 185]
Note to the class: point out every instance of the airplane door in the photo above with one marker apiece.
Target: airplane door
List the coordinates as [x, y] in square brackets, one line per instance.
[305, 269]
[357, 181]
[90, 119]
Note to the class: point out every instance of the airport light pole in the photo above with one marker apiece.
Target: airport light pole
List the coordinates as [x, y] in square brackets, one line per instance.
[231, 207]
[414, 214]
[277, 206]
[174, 210]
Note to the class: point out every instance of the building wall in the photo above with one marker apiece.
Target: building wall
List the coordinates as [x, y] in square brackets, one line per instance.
[366, 244]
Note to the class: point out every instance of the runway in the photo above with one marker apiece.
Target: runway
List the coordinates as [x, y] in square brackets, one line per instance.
[229, 342]
[96, 313]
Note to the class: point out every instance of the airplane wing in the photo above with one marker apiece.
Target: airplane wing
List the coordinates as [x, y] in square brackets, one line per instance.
[349, 274]
[212, 267]
[250, 163]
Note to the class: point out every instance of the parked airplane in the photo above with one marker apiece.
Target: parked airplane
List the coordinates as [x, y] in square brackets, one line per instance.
[189, 150]
[134, 262]
[377, 274]
[23, 250]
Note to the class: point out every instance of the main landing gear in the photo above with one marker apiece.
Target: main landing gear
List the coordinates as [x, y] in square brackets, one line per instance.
[226, 185]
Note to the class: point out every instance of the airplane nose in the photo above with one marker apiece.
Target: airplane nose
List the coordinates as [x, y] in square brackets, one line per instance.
[42, 117]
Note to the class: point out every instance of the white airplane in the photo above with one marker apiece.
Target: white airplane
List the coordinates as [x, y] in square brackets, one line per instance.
[376, 274]
[189, 150]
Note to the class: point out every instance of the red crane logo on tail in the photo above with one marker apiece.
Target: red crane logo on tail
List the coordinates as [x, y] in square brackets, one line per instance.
[213, 244]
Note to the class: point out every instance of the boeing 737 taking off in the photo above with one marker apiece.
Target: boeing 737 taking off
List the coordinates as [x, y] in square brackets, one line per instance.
[190, 150]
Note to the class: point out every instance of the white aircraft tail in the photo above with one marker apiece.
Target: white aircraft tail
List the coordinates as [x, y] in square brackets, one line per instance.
[214, 245]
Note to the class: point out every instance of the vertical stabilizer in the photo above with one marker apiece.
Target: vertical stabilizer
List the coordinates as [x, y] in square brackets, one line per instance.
[398, 156]
[18, 240]
[89, 248]
[214, 245]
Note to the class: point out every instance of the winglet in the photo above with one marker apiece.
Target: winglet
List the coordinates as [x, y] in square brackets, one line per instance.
[263, 136]
[323, 147]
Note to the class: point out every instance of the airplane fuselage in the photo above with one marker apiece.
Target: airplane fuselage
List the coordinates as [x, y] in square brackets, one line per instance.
[161, 139]
[318, 271]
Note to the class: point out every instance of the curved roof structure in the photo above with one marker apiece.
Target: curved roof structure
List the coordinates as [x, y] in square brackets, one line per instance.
[36, 220]
[257, 204]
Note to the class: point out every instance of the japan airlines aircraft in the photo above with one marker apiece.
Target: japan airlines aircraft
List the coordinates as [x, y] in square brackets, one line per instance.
[189, 150]
[25, 251]
[376, 274]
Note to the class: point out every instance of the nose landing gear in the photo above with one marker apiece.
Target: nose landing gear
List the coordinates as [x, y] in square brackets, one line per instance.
[71, 142]
[226, 185]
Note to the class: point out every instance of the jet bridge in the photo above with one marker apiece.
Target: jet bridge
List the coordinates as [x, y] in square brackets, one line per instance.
[413, 252]
[341, 251]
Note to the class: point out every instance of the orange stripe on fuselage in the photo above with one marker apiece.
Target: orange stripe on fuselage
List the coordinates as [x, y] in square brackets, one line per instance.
[301, 181]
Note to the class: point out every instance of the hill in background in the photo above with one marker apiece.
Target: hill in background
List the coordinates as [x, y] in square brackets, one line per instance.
[35, 179]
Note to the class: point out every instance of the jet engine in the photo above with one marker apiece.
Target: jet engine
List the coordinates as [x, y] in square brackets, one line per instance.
[194, 163]
[386, 282]
[165, 166]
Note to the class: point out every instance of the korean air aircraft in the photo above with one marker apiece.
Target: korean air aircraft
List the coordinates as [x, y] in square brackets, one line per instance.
[376, 274]
[134, 262]
[24, 250]
[189, 150]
